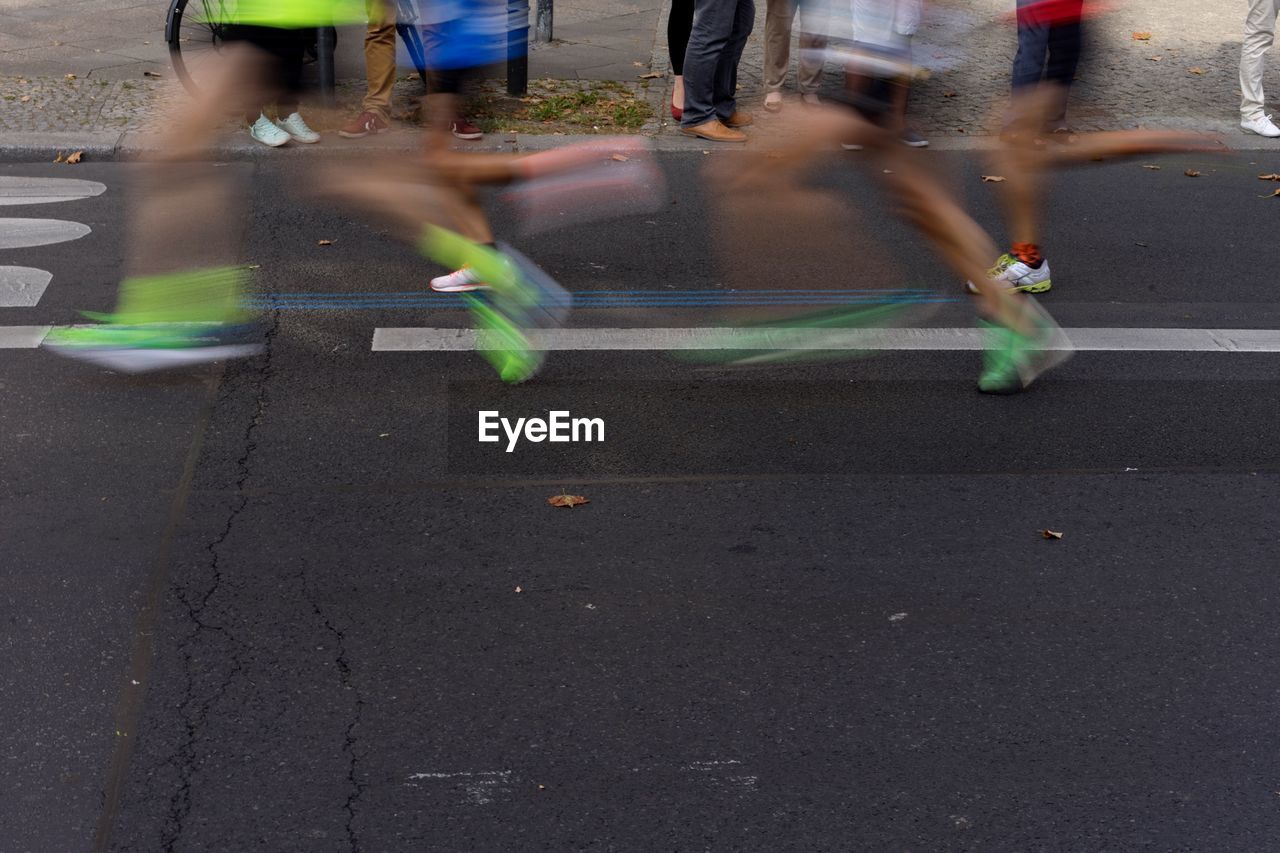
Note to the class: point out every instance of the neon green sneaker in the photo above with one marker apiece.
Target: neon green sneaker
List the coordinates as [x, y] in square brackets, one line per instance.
[155, 346]
[520, 300]
[166, 320]
[1011, 360]
[503, 344]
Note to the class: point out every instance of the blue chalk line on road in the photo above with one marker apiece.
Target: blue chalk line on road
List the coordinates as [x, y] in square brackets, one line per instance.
[603, 299]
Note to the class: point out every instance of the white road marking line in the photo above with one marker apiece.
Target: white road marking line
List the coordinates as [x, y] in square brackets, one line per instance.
[22, 190]
[22, 287]
[21, 233]
[22, 337]
[1083, 339]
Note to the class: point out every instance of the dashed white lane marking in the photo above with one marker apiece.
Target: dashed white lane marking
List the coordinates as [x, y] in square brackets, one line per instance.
[15, 189]
[22, 287]
[22, 337]
[1084, 339]
[21, 233]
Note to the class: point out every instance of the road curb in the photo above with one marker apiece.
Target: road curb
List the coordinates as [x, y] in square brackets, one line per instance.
[128, 145]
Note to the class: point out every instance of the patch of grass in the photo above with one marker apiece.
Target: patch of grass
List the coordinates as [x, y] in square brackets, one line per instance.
[573, 108]
[561, 106]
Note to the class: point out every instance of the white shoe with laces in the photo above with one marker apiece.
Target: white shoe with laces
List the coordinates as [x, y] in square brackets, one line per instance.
[458, 281]
[264, 130]
[1009, 273]
[298, 130]
[1261, 125]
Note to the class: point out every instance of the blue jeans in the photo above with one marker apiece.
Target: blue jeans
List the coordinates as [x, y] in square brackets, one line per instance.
[720, 31]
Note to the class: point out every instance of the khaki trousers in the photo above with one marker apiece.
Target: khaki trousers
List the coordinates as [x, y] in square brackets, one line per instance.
[380, 57]
[1259, 32]
[778, 18]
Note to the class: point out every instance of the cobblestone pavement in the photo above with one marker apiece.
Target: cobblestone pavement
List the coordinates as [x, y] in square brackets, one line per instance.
[1184, 76]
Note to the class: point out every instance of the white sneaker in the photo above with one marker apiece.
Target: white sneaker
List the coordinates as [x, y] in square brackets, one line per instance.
[1261, 125]
[1013, 274]
[265, 131]
[298, 130]
[458, 281]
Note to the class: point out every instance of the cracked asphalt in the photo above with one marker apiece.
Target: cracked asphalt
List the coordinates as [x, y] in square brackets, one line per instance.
[291, 604]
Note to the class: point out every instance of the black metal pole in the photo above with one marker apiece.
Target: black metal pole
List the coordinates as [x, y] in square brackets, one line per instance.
[325, 40]
[517, 47]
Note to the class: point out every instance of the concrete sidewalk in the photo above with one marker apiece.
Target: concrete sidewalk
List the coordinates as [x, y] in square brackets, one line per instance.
[1184, 76]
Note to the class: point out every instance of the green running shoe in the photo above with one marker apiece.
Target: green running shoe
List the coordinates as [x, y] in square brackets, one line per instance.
[1011, 360]
[155, 346]
[503, 343]
[521, 300]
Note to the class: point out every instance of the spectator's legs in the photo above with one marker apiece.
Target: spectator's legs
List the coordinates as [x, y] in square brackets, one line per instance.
[1065, 42]
[380, 57]
[1033, 45]
[809, 63]
[726, 77]
[1259, 32]
[777, 42]
[713, 22]
[679, 25]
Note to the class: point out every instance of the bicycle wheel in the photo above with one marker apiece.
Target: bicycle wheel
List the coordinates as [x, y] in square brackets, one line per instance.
[195, 37]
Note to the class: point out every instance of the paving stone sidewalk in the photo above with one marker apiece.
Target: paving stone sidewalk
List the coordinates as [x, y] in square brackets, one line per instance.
[1184, 76]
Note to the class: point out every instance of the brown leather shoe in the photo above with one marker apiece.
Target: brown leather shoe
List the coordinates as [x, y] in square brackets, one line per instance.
[715, 131]
[739, 119]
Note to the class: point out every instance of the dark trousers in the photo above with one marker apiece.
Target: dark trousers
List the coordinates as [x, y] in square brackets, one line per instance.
[720, 31]
[286, 49]
[1047, 51]
[679, 25]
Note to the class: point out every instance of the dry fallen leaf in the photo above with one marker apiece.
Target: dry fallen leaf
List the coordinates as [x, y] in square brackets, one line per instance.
[150, 74]
[1152, 168]
[1191, 173]
[948, 94]
[1050, 534]
[1269, 177]
[69, 76]
[1196, 70]
[567, 500]
[1155, 58]
[59, 158]
[621, 158]
[74, 157]
[518, 589]
[1273, 195]
[24, 99]
[1141, 36]
[992, 179]
[324, 242]
[652, 75]
[638, 64]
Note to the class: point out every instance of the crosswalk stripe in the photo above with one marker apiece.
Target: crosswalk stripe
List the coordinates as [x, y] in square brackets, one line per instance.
[936, 339]
[16, 189]
[22, 287]
[22, 233]
[22, 337]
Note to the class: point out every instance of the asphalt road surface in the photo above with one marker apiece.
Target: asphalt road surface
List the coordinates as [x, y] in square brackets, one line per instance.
[292, 603]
